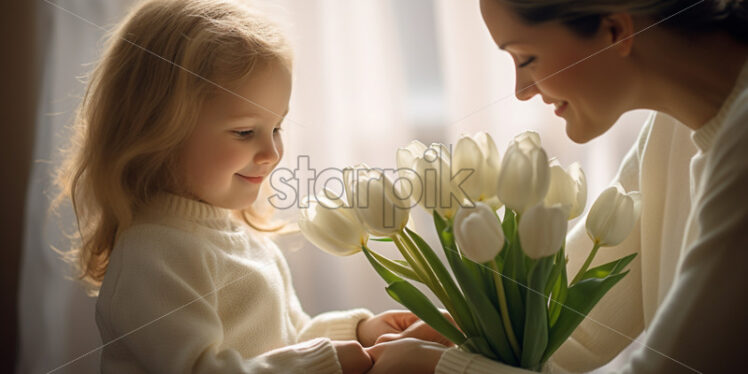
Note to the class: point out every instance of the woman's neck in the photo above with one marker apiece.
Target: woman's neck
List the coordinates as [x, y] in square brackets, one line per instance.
[688, 79]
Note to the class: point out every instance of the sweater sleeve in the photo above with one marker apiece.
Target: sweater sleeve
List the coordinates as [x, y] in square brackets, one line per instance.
[160, 309]
[336, 325]
[618, 317]
[701, 325]
[597, 340]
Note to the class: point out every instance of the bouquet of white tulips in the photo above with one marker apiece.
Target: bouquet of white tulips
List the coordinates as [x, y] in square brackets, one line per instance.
[508, 290]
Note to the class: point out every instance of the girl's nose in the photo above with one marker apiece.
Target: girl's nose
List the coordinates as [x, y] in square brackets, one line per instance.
[525, 87]
[269, 151]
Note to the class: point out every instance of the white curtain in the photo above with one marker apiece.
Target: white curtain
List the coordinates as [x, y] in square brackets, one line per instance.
[369, 75]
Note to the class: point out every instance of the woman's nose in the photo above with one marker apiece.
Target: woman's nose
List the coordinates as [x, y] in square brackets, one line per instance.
[525, 87]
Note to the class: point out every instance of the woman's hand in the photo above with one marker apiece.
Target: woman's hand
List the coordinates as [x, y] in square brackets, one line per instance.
[407, 356]
[352, 356]
[397, 324]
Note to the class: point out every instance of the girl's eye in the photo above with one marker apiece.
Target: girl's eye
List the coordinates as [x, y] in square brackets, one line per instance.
[244, 133]
[277, 130]
[528, 62]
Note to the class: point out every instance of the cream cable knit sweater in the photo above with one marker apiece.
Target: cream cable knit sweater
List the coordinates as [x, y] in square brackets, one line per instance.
[687, 286]
[188, 290]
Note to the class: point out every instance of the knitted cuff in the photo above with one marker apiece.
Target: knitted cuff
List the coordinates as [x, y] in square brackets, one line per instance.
[456, 361]
[340, 325]
[319, 356]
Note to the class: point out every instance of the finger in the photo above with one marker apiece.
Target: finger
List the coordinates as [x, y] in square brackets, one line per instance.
[375, 351]
[387, 338]
[405, 319]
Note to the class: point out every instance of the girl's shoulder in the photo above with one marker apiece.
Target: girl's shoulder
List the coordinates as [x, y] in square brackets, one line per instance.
[163, 243]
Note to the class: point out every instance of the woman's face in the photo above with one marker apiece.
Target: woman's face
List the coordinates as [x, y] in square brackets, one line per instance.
[584, 81]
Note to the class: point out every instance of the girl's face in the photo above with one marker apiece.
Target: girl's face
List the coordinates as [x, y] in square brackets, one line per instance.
[584, 83]
[236, 142]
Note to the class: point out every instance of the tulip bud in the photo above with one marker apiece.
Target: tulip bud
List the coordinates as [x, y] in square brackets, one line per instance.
[430, 176]
[478, 233]
[331, 226]
[480, 155]
[376, 202]
[612, 216]
[525, 174]
[568, 189]
[542, 230]
[407, 155]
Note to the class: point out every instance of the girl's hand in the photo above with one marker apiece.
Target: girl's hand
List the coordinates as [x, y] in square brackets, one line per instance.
[352, 356]
[397, 324]
[407, 356]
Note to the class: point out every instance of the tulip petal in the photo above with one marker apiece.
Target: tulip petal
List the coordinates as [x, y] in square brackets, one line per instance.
[468, 156]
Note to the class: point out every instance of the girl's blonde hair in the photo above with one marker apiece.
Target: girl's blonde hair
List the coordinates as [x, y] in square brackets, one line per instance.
[141, 103]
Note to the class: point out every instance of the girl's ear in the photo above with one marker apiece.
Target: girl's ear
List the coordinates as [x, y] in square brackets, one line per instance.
[618, 29]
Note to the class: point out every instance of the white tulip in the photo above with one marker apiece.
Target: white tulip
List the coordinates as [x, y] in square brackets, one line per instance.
[478, 232]
[542, 230]
[612, 216]
[407, 155]
[525, 175]
[568, 189]
[430, 176]
[332, 226]
[376, 202]
[479, 155]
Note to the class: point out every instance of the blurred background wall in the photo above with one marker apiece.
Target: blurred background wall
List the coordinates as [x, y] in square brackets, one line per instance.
[369, 76]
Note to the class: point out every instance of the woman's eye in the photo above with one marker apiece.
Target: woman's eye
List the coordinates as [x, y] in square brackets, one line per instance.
[277, 130]
[527, 62]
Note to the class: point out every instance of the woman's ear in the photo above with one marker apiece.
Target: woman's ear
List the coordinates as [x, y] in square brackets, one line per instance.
[618, 29]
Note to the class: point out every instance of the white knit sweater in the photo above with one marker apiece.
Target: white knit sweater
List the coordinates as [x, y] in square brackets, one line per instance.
[189, 290]
[687, 287]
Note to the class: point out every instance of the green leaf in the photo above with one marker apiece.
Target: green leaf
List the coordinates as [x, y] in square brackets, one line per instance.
[514, 287]
[509, 224]
[402, 269]
[555, 277]
[559, 298]
[487, 315]
[583, 296]
[410, 297]
[479, 345]
[536, 314]
[613, 267]
[461, 313]
[402, 262]
[381, 239]
[383, 272]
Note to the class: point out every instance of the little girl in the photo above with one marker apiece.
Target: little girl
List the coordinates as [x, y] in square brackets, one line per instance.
[179, 126]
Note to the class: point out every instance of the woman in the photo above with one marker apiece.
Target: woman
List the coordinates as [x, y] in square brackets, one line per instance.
[686, 59]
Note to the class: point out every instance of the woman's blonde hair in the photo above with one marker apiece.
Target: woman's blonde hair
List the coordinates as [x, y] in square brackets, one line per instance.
[141, 103]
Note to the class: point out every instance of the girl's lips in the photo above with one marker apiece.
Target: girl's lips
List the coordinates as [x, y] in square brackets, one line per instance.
[561, 108]
[255, 180]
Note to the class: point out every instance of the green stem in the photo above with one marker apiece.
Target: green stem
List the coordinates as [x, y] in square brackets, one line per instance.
[504, 309]
[429, 271]
[419, 265]
[586, 265]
